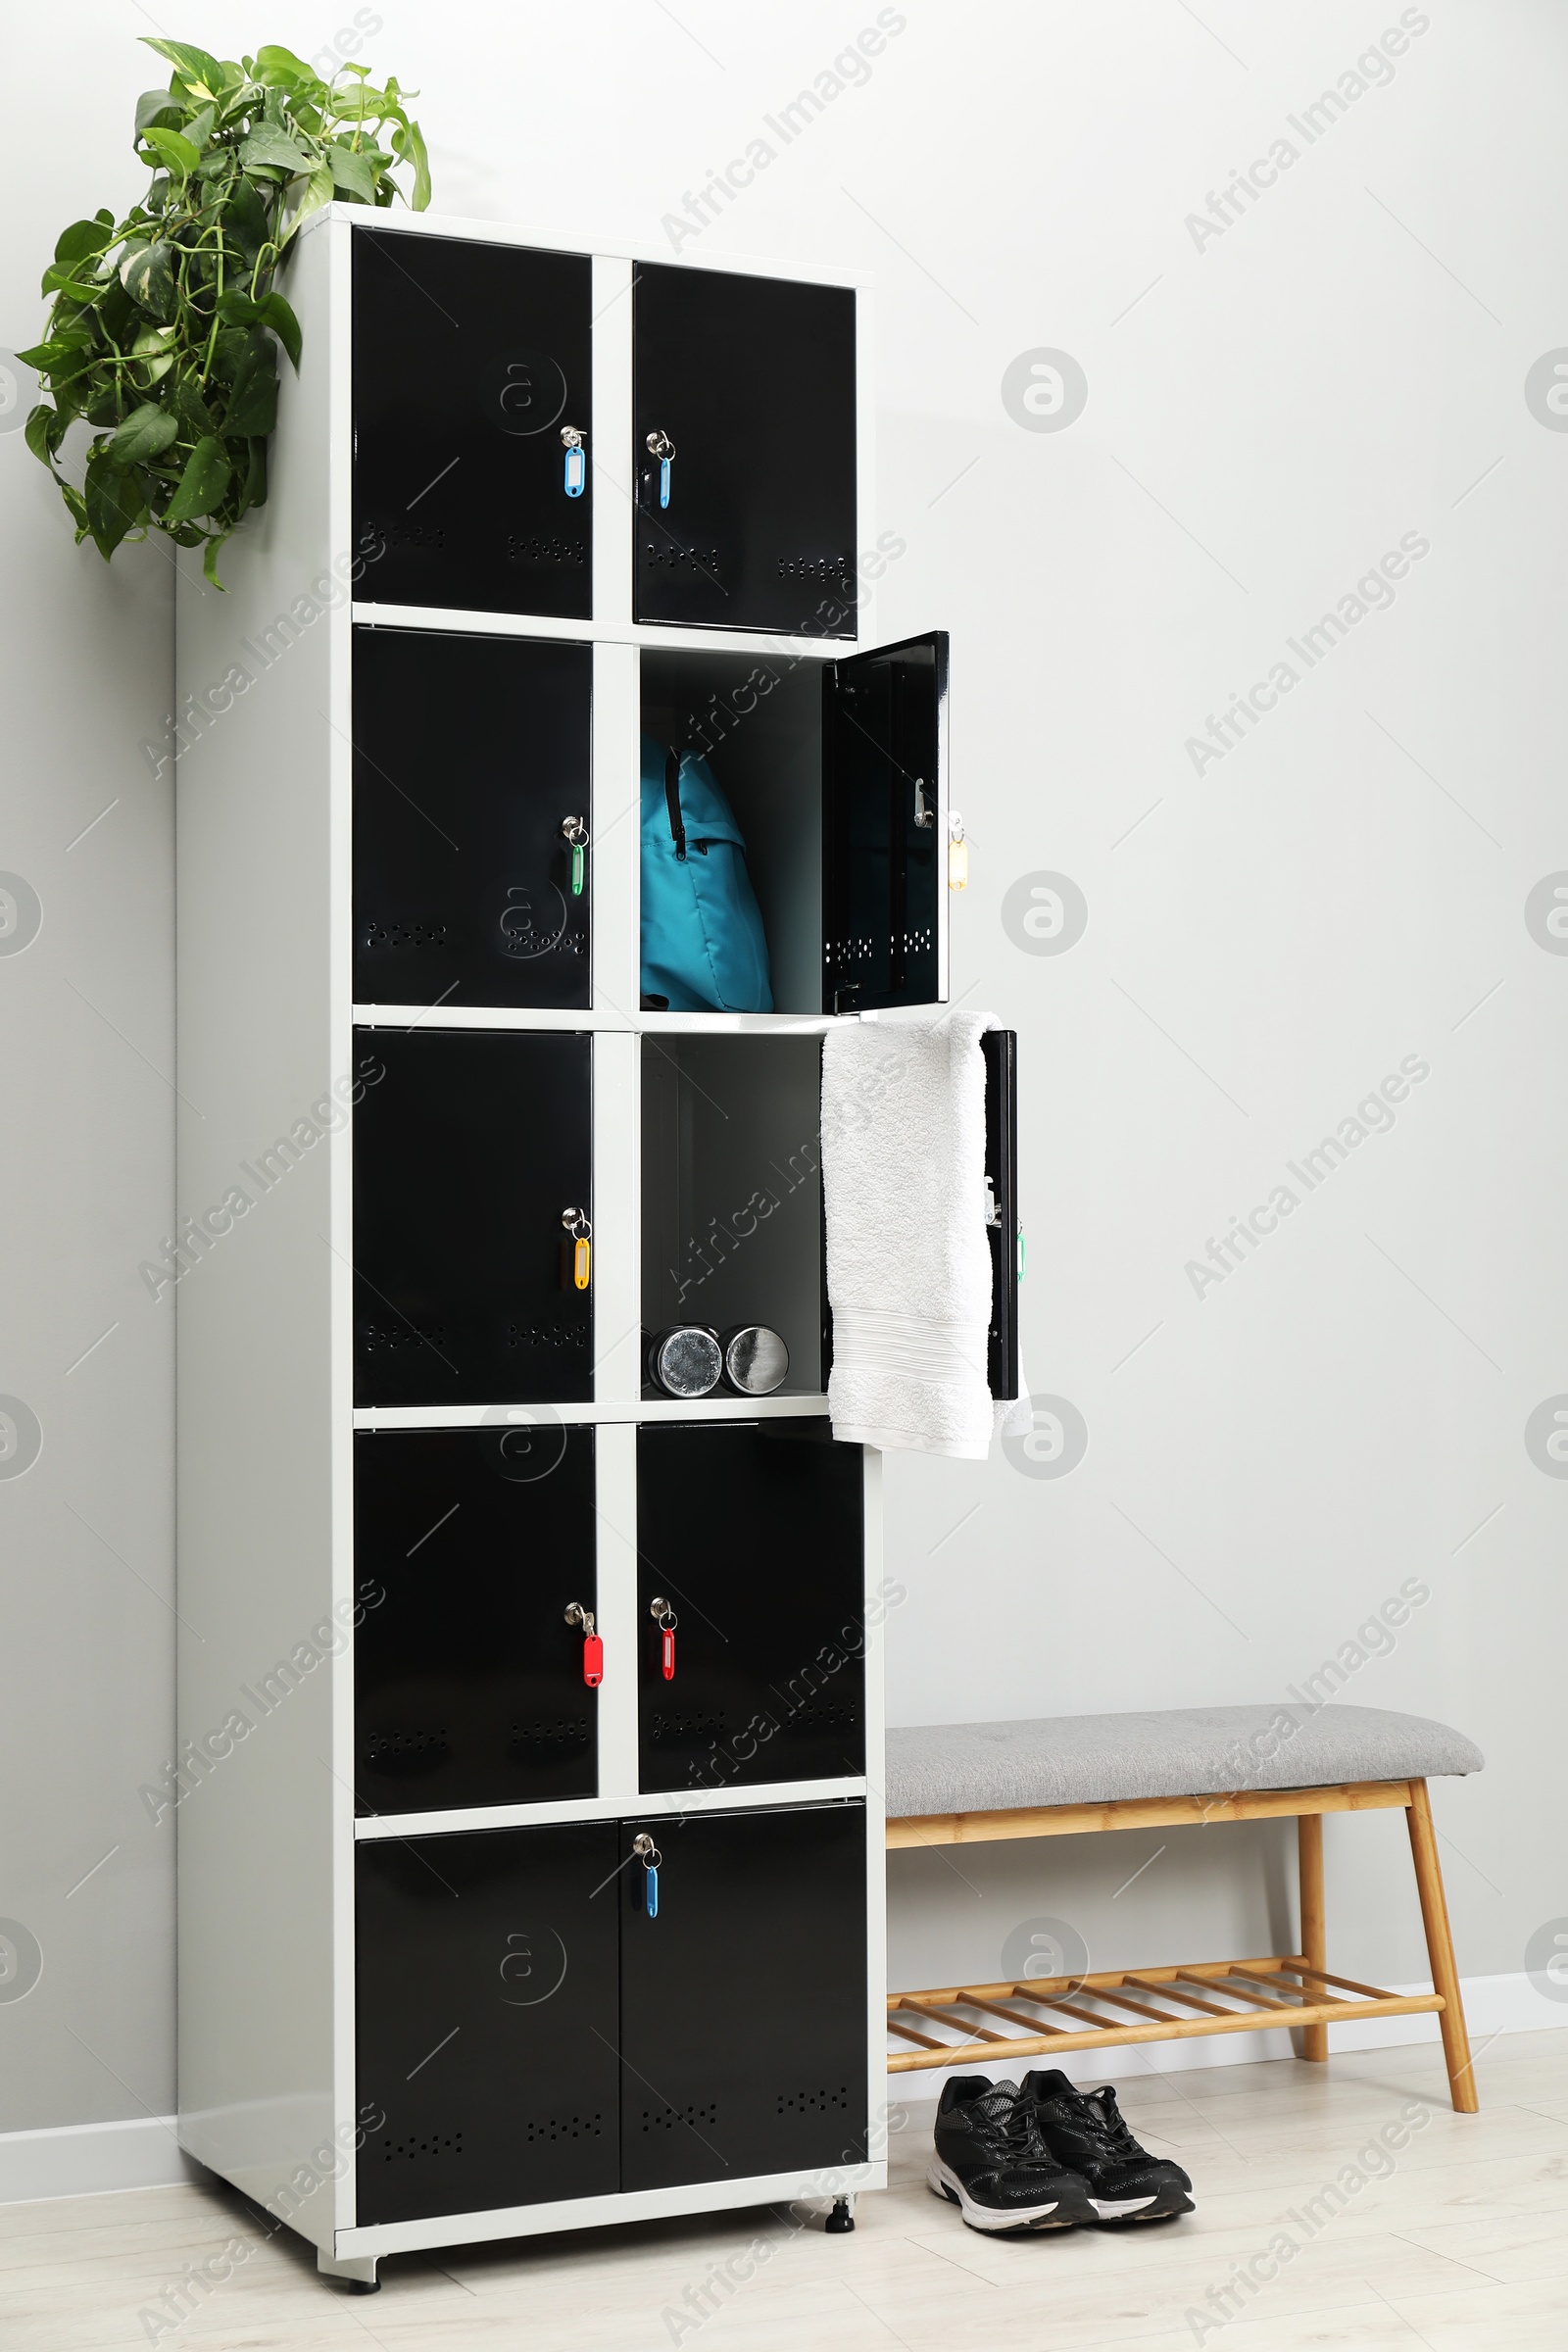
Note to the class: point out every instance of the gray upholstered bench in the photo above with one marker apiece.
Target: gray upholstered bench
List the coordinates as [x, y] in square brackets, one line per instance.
[951, 1783]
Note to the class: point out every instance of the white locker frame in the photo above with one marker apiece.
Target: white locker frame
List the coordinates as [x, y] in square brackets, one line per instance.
[267, 1834]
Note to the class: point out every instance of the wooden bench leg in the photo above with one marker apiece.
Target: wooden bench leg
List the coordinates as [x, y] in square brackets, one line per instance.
[1439, 1951]
[1314, 1939]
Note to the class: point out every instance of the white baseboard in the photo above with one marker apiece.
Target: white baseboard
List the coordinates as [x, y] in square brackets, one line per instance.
[1506, 2004]
[80, 2160]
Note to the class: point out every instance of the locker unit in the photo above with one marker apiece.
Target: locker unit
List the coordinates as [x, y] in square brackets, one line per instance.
[536, 1879]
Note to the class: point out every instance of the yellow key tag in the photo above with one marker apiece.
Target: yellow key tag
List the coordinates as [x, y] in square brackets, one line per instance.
[580, 1261]
[957, 854]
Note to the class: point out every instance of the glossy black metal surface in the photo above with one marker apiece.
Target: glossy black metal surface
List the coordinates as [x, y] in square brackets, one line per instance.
[468, 358]
[754, 1533]
[743, 2004]
[752, 379]
[884, 716]
[468, 1544]
[465, 1152]
[470, 754]
[486, 1986]
[1000, 1048]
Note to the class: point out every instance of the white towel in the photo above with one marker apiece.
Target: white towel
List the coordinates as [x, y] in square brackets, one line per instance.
[909, 1267]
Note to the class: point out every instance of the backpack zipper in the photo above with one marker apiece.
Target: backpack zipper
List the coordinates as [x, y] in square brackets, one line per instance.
[677, 824]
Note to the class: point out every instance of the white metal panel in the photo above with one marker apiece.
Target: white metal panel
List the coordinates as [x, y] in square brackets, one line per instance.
[651, 1408]
[618, 1797]
[654, 634]
[615, 853]
[617, 1253]
[879, 1596]
[611, 456]
[625, 2205]
[617, 1503]
[507, 232]
[257, 1404]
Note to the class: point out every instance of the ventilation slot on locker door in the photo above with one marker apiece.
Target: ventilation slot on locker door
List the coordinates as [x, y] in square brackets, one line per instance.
[819, 1718]
[565, 2126]
[688, 1727]
[813, 2102]
[408, 1751]
[404, 935]
[384, 1339]
[414, 2149]
[546, 551]
[546, 1739]
[665, 2118]
[545, 1334]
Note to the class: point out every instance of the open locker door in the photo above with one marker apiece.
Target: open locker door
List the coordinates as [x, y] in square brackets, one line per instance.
[884, 826]
[1000, 1049]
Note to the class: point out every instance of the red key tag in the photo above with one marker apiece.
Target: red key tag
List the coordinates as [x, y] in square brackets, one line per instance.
[593, 1648]
[663, 1616]
[668, 1653]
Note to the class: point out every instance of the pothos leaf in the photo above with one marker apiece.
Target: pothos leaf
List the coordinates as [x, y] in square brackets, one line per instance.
[173, 149]
[269, 147]
[202, 484]
[161, 107]
[245, 220]
[317, 191]
[353, 174]
[114, 504]
[196, 68]
[253, 400]
[145, 434]
[79, 242]
[147, 273]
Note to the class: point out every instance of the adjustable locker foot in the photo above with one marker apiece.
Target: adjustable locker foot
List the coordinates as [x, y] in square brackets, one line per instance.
[842, 2216]
[357, 2271]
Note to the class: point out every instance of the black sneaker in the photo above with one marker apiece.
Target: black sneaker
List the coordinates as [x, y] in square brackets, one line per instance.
[991, 2162]
[1087, 2131]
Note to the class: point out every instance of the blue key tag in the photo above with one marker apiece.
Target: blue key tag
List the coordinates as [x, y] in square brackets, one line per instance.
[576, 461]
[649, 1855]
[660, 446]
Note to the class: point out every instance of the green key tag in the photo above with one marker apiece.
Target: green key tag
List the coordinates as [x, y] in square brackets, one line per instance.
[574, 833]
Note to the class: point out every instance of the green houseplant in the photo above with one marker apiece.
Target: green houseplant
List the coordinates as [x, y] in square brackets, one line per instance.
[162, 330]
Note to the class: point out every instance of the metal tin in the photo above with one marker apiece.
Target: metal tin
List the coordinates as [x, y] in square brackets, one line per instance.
[686, 1362]
[755, 1360]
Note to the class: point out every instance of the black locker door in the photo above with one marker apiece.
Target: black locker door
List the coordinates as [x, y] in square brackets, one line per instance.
[470, 360]
[753, 380]
[884, 858]
[467, 1680]
[486, 1983]
[471, 773]
[743, 2004]
[999, 1047]
[755, 1536]
[467, 1150]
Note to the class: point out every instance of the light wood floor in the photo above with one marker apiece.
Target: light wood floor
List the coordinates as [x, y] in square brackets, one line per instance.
[1463, 2247]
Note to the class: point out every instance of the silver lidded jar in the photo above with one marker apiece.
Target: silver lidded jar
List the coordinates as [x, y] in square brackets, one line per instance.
[755, 1360]
[686, 1360]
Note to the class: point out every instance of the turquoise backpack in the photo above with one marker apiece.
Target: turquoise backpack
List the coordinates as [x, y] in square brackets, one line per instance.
[702, 945]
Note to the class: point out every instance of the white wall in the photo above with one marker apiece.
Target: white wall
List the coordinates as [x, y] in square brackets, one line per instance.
[1267, 413]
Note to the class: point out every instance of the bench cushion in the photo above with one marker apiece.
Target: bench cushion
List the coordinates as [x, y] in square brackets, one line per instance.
[1179, 1751]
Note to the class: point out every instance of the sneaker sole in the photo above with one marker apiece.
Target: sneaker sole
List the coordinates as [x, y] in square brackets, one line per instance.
[1160, 2207]
[1058, 2214]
